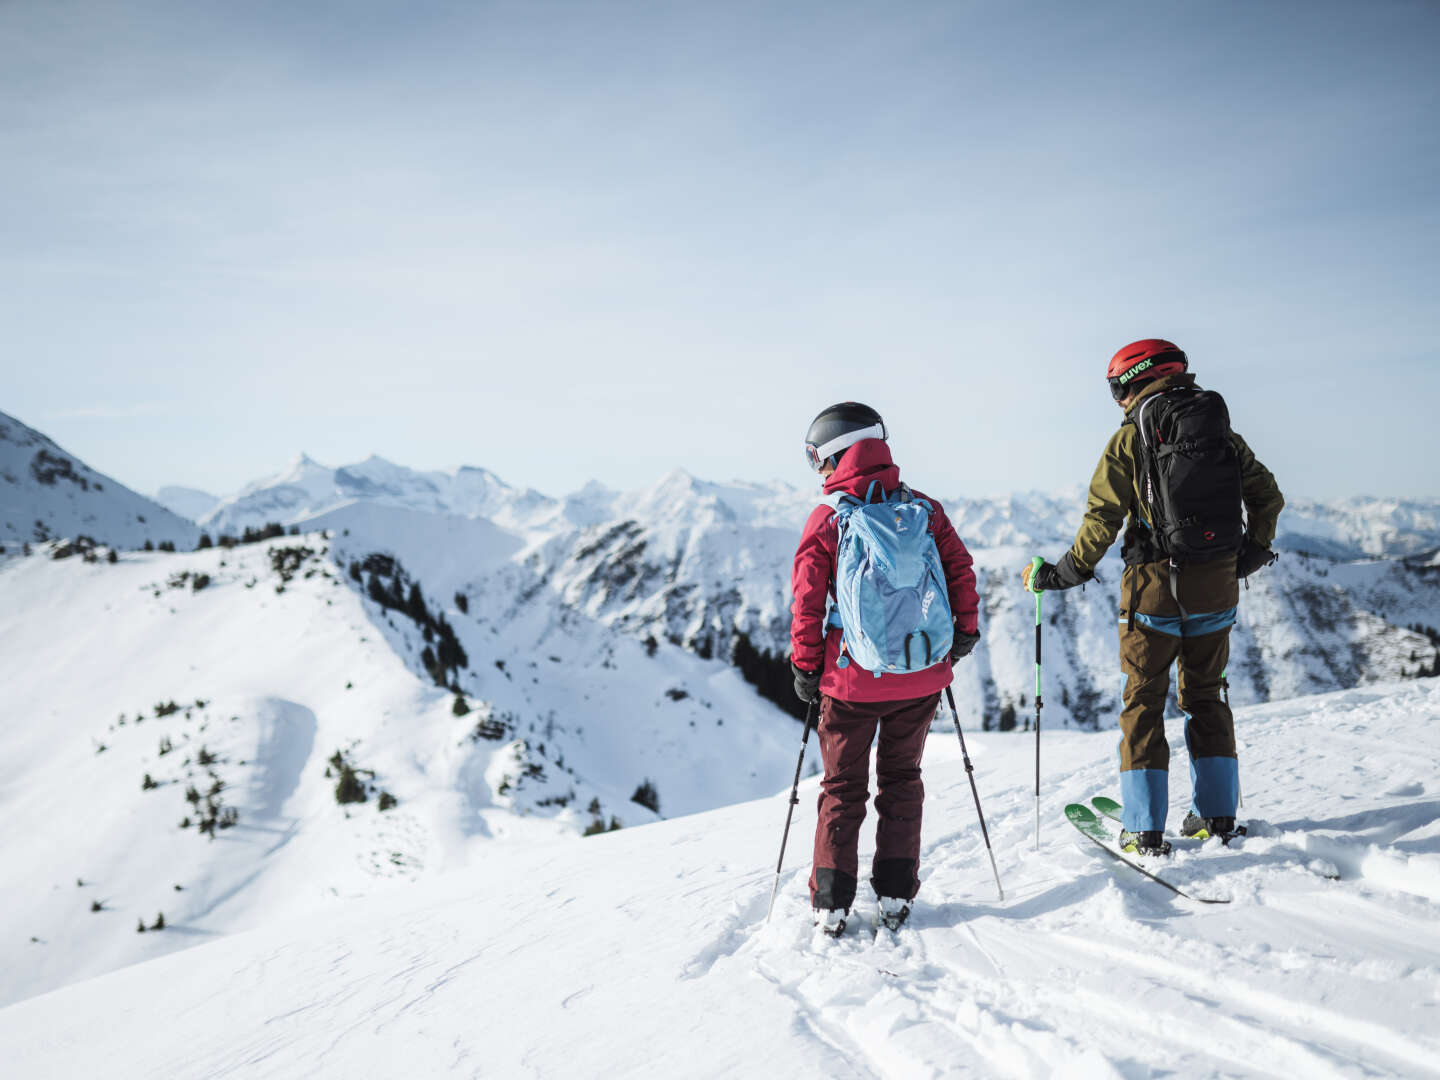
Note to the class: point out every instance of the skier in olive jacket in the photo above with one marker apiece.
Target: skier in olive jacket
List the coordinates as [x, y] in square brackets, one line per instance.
[846, 445]
[1170, 610]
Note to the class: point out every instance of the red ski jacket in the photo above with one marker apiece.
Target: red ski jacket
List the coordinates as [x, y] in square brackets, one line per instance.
[813, 581]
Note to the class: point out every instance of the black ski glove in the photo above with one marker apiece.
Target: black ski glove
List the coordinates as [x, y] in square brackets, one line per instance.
[962, 645]
[1252, 557]
[1052, 577]
[807, 683]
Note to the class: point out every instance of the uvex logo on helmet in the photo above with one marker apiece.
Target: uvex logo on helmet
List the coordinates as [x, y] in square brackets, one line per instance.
[1149, 358]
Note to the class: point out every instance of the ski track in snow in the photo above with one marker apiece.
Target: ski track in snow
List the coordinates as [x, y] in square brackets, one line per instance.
[1012, 989]
[646, 952]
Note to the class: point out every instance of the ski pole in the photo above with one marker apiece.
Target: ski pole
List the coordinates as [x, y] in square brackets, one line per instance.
[1035, 569]
[970, 772]
[794, 799]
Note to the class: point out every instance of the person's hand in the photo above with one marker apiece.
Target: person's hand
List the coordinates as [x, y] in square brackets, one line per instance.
[962, 646]
[807, 683]
[1039, 576]
[1252, 557]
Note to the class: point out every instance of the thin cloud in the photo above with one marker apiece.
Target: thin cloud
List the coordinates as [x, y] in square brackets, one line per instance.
[112, 412]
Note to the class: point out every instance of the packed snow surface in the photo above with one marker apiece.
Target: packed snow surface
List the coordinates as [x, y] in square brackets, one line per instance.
[646, 952]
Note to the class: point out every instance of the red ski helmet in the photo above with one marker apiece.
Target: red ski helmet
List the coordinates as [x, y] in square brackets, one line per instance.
[1141, 360]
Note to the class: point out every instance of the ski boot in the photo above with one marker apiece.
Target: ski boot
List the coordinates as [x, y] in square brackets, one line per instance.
[1148, 842]
[893, 912]
[1199, 828]
[831, 920]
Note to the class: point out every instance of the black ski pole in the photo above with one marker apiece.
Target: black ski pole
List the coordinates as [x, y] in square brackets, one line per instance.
[794, 799]
[1035, 569]
[970, 772]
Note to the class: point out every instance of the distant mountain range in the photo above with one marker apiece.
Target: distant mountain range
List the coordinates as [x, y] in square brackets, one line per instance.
[705, 566]
[1350, 528]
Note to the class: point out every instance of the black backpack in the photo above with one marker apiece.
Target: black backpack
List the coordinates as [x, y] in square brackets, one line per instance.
[1191, 477]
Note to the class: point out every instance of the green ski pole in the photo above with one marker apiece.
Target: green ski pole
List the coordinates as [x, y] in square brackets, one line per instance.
[1035, 569]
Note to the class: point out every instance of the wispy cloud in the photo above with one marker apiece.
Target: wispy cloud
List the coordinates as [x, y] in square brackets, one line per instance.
[112, 412]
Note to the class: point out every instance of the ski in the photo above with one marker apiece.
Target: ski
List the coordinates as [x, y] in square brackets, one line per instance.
[1112, 809]
[1090, 826]
[889, 921]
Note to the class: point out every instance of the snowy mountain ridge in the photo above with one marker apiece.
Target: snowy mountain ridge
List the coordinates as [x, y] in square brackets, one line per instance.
[47, 492]
[306, 489]
[1345, 528]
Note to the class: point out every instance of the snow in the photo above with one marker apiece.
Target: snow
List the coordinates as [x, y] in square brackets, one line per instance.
[473, 930]
[46, 492]
[645, 952]
[307, 489]
[271, 678]
[191, 503]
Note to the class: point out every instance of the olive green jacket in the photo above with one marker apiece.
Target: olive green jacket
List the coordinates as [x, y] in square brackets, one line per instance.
[1115, 490]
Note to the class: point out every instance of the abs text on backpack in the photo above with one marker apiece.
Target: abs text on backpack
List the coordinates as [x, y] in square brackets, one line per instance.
[1191, 477]
[890, 595]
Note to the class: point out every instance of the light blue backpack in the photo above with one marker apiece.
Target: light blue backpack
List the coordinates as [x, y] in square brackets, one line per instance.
[890, 598]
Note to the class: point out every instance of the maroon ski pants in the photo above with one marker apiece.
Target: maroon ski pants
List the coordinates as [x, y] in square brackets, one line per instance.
[847, 728]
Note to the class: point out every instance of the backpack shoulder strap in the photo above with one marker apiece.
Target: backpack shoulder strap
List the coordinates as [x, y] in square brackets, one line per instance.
[845, 505]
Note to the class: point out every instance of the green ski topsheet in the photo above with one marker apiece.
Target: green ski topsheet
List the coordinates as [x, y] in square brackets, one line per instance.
[1113, 810]
[1084, 819]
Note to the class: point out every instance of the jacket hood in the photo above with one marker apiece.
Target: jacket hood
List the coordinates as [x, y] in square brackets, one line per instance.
[864, 463]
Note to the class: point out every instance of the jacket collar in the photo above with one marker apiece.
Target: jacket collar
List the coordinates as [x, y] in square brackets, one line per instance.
[1159, 386]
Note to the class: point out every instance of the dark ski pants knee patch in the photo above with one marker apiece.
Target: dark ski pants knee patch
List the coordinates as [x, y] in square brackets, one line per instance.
[896, 877]
[831, 888]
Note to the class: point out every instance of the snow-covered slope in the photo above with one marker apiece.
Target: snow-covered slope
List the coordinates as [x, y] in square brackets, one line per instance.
[1354, 528]
[46, 492]
[646, 953]
[275, 659]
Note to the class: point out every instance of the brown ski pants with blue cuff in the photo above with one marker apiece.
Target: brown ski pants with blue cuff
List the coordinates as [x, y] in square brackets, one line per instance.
[1163, 622]
[847, 728]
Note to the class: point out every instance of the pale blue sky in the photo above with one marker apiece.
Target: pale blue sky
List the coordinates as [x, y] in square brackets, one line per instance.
[566, 241]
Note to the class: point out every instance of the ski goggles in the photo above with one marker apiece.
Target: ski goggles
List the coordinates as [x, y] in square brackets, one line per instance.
[816, 456]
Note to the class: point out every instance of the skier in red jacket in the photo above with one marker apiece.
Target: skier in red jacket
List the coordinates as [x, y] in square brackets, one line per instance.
[846, 444]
